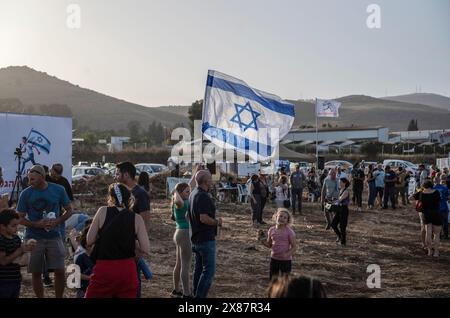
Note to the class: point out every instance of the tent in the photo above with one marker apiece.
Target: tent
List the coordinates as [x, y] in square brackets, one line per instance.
[291, 155]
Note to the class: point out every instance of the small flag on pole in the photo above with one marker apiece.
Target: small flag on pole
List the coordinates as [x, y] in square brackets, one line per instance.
[39, 140]
[327, 108]
[237, 116]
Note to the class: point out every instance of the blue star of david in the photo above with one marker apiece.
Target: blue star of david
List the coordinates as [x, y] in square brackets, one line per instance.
[39, 139]
[237, 118]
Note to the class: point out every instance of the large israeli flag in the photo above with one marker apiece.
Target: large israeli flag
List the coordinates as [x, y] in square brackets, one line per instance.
[236, 116]
[39, 140]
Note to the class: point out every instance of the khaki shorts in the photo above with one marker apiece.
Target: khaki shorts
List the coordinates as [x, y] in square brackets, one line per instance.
[51, 252]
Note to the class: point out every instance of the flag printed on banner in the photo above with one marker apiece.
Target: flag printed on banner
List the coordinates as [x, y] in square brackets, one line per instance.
[327, 108]
[237, 116]
[39, 140]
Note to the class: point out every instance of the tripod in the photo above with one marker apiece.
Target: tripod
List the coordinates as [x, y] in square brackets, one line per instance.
[17, 187]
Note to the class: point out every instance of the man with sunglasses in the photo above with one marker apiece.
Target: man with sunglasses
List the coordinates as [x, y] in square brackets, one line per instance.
[39, 208]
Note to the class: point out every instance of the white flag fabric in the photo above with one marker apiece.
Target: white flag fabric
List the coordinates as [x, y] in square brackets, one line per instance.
[236, 116]
[327, 108]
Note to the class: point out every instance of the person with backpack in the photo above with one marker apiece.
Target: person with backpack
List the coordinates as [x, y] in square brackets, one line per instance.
[113, 233]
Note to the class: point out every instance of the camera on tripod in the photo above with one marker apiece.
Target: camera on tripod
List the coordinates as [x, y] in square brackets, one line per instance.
[18, 152]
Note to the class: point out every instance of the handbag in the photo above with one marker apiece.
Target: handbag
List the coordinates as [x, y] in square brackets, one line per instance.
[419, 207]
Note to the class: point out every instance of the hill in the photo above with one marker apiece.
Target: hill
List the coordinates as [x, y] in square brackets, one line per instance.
[24, 90]
[429, 99]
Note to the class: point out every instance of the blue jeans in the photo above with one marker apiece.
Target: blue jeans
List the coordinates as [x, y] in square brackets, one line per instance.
[10, 290]
[205, 267]
[372, 194]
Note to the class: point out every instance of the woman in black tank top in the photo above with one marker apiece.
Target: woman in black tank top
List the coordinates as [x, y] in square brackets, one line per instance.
[116, 233]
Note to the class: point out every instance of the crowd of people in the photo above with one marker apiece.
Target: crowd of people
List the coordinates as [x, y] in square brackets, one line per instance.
[110, 247]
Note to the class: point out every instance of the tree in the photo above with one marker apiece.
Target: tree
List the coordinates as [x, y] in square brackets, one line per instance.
[134, 128]
[195, 112]
[90, 138]
[371, 148]
[412, 126]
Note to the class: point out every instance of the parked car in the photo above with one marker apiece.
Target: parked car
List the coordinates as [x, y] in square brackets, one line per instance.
[83, 163]
[366, 165]
[339, 163]
[396, 163]
[151, 168]
[85, 172]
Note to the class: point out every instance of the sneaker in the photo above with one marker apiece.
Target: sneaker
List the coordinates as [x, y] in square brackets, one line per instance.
[47, 282]
[176, 294]
[188, 296]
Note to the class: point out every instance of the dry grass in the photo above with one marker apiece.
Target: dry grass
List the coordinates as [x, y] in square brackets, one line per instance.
[387, 238]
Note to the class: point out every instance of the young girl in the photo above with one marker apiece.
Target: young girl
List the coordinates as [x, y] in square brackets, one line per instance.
[181, 238]
[281, 239]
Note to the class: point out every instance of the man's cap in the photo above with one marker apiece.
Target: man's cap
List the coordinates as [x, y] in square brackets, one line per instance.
[38, 169]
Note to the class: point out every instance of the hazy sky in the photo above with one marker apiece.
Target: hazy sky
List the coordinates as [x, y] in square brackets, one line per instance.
[157, 52]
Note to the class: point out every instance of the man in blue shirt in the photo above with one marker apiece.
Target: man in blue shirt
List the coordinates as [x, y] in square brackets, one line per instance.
[379, 183]
[202, 217]
[443, 207]
[39, 208]
[390, 179]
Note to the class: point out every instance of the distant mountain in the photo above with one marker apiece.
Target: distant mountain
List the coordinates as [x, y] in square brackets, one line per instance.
[360, 110]
[429, 99]
[25, 90]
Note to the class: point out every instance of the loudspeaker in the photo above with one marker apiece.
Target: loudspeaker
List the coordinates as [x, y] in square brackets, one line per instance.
[321, 163]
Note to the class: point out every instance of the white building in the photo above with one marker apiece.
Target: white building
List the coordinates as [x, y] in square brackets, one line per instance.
[117, 143]
[330, 136]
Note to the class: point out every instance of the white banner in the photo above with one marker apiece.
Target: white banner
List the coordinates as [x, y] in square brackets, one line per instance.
[42, 139]
[247, 169]
[327, 108]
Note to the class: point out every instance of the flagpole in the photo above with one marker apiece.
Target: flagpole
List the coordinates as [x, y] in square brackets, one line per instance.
[317, 139]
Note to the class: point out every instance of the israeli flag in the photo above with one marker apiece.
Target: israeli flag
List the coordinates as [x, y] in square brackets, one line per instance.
[39, 140]
[236, 116]
[327, 108]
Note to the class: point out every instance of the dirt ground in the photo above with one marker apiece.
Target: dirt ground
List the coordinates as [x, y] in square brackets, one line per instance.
[388, 238]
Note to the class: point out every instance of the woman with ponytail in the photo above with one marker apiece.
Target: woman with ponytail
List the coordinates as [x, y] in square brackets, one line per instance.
[182, 240]
[114, 231]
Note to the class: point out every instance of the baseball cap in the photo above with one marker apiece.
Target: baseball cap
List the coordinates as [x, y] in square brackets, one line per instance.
[38, 169]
